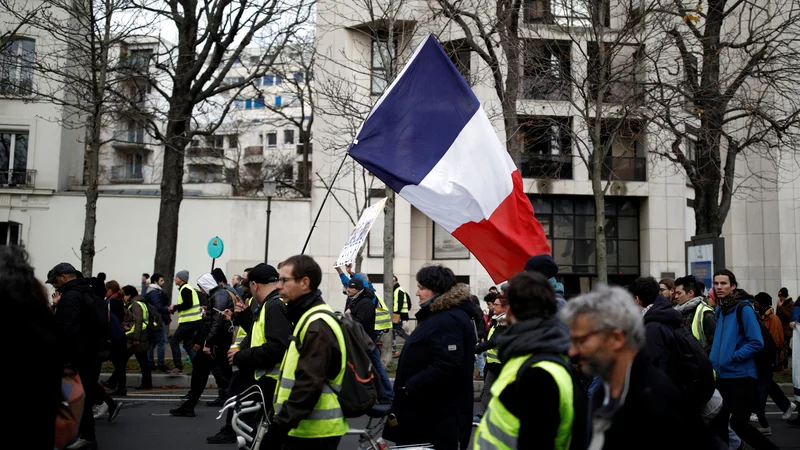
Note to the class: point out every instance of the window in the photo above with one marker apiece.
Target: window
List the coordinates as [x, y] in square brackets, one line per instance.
[547, 147]
[445, 246]
[215, 141]
[546, 70]
[288, 172]
[269, 80]
[288, 136]
[571, 13]
[623, 69]
[383, 59]
[232, 80]
[14, 159]
[258, 103]
[625, 159]
[278, 80]
[569, 225]
[133, 165]
[299, 77]
[278, 100]
[17, 60]
[135, 133]
[205, 174]
[140, 59]
[460, 54]
[10, 233]
[272, 139]
[239, 104]
[233, 141]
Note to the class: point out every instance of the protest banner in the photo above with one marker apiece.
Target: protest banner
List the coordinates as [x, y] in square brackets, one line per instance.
[359, 234]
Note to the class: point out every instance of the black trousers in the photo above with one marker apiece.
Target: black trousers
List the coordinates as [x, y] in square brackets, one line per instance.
[185, 335]
[90, 376]
[738, 397]
[202, 365]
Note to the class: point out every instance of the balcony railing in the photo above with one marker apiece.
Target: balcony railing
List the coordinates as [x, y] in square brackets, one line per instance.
[546, 166]
[545, 88]
[624, 168]
[206, 152]
[17, 178]
[127, 174]
[254, 150]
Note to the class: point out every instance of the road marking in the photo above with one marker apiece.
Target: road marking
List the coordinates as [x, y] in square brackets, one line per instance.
[159, 414]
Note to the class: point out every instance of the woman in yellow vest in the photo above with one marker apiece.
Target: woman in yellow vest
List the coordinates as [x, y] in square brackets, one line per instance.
[136, 323]
[492, 368]
[537, 401]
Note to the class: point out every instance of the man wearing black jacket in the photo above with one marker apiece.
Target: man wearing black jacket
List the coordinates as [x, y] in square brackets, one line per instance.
[190, 320]
[262, 350]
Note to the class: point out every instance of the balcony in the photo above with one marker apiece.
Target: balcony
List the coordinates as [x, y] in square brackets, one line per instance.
[546, 166]
[545, 88]
[132, 140]
[205, 152]
[624, 168]
[254, 154]
[126, 175]
[17, 178]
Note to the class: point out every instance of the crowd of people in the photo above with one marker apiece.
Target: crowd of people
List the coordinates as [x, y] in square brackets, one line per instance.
[597, 371]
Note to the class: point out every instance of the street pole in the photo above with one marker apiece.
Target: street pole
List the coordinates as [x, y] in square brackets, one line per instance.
[266, 242]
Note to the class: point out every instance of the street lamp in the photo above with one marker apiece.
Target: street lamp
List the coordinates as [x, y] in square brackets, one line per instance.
[270, 189]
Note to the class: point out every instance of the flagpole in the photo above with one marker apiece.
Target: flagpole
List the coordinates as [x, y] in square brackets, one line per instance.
[327, 193]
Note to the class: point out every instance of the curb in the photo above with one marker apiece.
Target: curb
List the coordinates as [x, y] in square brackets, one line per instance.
[183, 381]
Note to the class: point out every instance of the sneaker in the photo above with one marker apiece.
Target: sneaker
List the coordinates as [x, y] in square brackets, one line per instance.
[789, 411]
[476, 420]
[753, 418]
[216, 402]
[114, 410]
[83, 444]
[99, 411]
[177, 371]
[224, 436]
[182, 412]
[164, 369]
[765, 431]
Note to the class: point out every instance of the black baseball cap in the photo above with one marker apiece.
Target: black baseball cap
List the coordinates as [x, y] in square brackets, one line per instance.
[262, 274]
[62, 269]
[355, 283]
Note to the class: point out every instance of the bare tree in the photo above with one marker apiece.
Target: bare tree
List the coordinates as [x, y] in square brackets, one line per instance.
[18, 16]
[567, 76]
[212, 36]
[78, 70]
[725, 90]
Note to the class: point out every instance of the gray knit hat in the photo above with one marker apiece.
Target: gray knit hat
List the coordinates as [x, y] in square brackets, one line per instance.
[183, 275]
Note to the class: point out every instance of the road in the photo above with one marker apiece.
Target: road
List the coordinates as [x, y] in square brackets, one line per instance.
[145, 423]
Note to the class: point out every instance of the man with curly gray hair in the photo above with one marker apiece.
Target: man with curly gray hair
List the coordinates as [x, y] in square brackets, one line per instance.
[636, 400]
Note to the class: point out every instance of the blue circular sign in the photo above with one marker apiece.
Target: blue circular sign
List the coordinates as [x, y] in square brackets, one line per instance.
[215, 247]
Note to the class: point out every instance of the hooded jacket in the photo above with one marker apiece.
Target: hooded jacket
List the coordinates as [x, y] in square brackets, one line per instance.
[74, 327]
[688, 311]
[732, 352]
[659, 322]
[156, 297]
[217, 329]
[433, 385]
[534, 397]
[362, 310]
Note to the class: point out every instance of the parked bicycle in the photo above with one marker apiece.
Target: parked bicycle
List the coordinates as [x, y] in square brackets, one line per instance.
[251, 422]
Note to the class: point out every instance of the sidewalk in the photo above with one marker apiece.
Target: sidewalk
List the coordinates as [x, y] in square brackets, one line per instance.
[168, 381]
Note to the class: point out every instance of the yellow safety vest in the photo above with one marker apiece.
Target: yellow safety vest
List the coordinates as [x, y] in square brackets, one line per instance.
[144, 318]
[492, 355]
[383, 320]
[241, 333]
[194, 313]
[259, 339]
[327, 418]
[499, 429]
[697, 323]
[402, 308]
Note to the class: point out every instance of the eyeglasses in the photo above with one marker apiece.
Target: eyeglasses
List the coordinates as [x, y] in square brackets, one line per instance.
[283, 280]
[664, 290]
[580, 340]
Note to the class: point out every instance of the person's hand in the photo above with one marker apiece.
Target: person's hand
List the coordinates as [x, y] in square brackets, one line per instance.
[206, 350]
[135, 342]
[56, 297]
[196, 347]
[792, 324]
[231, 353]
[349, 269]
[127, 326]
[171, 308]
[339, 270]
[239, 307]
[227, 315]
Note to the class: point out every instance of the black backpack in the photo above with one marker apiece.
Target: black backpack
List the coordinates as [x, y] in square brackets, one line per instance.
[95, 319]
[690, 368]
[154, 321]
[361, 384]
[768, 356]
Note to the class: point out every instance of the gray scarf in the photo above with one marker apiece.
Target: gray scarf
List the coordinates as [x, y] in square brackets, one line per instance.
[537, 335]
[689, 307]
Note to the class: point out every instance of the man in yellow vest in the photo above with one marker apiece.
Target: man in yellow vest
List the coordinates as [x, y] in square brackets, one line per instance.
[261, 352]
[307, 410]
[190, 320]
[402, 302]
[537, 401]
[698, 316]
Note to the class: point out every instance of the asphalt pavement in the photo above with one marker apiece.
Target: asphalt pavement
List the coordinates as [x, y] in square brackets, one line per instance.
[145, 423]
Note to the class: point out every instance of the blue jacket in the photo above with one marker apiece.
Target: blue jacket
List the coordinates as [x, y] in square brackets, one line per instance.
[732, 352]
[345, 279]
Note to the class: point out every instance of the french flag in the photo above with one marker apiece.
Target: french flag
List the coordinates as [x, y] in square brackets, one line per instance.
[430, 141]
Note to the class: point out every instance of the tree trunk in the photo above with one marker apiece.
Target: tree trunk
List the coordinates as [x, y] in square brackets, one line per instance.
[598, 155]
[388, 270]
[305, 182]
[171, 196]
[92, 156]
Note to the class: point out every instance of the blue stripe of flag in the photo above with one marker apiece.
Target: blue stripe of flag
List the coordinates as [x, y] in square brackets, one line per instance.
[418, 121]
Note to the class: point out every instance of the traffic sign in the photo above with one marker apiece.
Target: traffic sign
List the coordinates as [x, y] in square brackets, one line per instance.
[215, 247]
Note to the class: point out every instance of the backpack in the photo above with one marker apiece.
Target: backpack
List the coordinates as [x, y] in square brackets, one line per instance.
[154, 321]
[691, 368]
[68, 415]
[361, 384]
[97, 322]
[768, 356]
